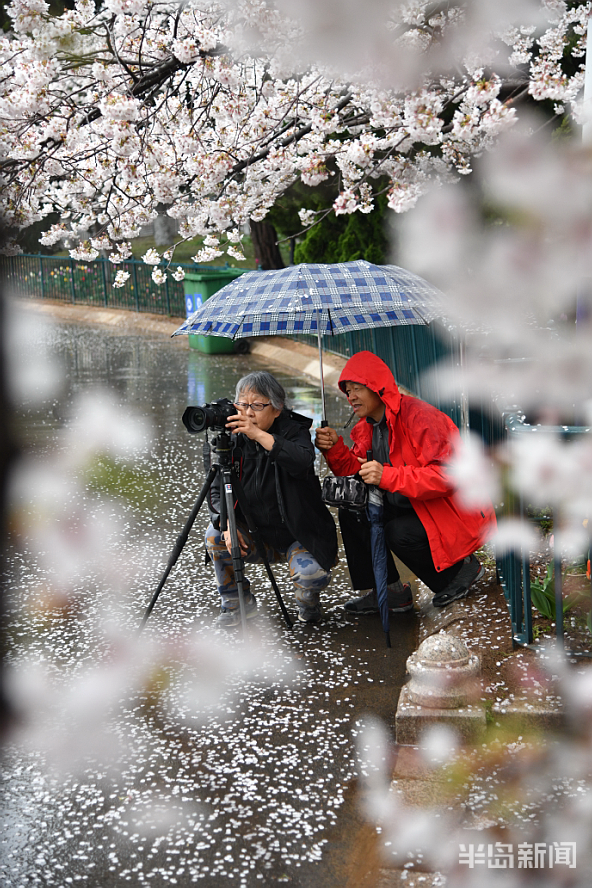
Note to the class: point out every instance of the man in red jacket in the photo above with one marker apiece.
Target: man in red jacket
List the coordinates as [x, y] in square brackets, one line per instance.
[425, 524]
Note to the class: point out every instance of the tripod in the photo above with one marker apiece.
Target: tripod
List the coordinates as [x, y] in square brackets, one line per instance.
[221, 472]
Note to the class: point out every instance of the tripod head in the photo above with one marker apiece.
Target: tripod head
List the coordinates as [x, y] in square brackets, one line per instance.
[223, 445]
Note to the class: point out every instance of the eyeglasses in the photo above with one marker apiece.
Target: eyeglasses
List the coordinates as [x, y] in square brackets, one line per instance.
[256, 406]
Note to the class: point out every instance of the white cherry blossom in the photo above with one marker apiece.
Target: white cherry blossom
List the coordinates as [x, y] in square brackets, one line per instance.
[152, 257]
[84, 252]
[209, 112]
[121, 277]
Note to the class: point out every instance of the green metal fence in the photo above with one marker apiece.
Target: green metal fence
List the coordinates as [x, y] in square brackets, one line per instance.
[513, 567]
[91, 283]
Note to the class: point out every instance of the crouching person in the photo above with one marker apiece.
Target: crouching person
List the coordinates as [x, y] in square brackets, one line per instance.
[276, 471]
[425, 525]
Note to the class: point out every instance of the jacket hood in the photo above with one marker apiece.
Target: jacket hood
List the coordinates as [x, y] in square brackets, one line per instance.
[367, 369]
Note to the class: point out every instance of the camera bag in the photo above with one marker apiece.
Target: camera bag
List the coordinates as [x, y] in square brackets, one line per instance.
[344, 491]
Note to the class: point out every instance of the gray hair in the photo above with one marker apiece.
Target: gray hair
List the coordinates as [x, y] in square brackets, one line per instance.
[264, 384]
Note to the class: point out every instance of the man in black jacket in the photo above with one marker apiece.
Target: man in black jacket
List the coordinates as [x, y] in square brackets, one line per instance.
[277, 474]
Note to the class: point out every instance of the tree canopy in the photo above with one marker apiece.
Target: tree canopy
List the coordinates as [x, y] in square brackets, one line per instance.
[209, 111]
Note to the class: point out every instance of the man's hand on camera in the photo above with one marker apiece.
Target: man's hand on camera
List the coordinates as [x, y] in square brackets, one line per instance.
[325, 438]
[241, 541]
[370, 472]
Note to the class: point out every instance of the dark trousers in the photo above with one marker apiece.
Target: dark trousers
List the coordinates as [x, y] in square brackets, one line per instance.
[405, 537]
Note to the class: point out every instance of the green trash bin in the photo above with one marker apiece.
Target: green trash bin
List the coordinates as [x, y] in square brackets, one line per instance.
[200, 285]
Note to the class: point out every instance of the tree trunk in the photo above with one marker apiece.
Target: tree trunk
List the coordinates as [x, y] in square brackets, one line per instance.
[165, 229]
[267, 252]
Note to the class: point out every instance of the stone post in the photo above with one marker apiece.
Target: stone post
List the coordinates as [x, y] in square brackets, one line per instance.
[444, 682]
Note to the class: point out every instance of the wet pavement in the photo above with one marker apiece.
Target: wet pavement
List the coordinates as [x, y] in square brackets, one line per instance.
[185, 755]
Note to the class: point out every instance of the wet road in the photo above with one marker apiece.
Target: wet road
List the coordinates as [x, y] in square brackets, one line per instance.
[184, 756]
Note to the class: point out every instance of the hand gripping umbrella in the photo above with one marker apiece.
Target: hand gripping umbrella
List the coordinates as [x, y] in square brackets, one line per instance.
[317, 299]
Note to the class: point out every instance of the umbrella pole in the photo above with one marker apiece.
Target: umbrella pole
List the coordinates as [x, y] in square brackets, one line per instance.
[464, 401]
[319, 340]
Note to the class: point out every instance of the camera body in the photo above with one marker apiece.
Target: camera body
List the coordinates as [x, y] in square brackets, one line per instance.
[210, 416]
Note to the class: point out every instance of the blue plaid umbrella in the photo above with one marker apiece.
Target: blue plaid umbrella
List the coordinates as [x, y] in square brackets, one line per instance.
[317, 299]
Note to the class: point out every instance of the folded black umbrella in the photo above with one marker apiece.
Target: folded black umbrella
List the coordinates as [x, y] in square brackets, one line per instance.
[375, 512]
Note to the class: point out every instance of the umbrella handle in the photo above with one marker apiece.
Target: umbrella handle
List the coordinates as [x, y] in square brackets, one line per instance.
[369, 455]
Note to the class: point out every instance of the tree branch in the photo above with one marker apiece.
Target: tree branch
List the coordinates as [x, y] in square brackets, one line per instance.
[289, 140]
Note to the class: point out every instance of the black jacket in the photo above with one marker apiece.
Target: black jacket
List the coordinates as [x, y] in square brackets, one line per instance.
[282, 490]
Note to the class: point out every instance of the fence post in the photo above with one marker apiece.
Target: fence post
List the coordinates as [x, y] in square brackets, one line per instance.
[526, 600]
[42, 276]
[136, 291]
[72, 281]
[166, 292]
[103, 260]
[558, 584]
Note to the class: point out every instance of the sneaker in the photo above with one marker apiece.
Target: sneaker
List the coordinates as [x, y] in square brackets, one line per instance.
[230, 615]
[308, 614]
[399, 602]
[471, 571]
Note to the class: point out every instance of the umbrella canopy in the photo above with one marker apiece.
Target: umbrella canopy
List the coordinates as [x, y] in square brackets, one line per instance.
[318, 299]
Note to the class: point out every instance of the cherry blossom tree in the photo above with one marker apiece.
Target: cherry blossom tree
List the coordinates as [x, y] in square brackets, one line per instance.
[213, 109]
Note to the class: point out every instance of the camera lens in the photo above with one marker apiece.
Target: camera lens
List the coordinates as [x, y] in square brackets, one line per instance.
[196, 419]
[210, 416]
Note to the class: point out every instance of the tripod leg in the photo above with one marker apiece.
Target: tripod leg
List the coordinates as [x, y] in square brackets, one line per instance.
[181, 540]
[240, 495]
[235, 549]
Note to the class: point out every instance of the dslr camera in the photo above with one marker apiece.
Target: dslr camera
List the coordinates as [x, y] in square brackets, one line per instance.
[210, 416]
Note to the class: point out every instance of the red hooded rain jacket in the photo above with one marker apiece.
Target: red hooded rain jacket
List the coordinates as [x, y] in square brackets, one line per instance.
[422, 440]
